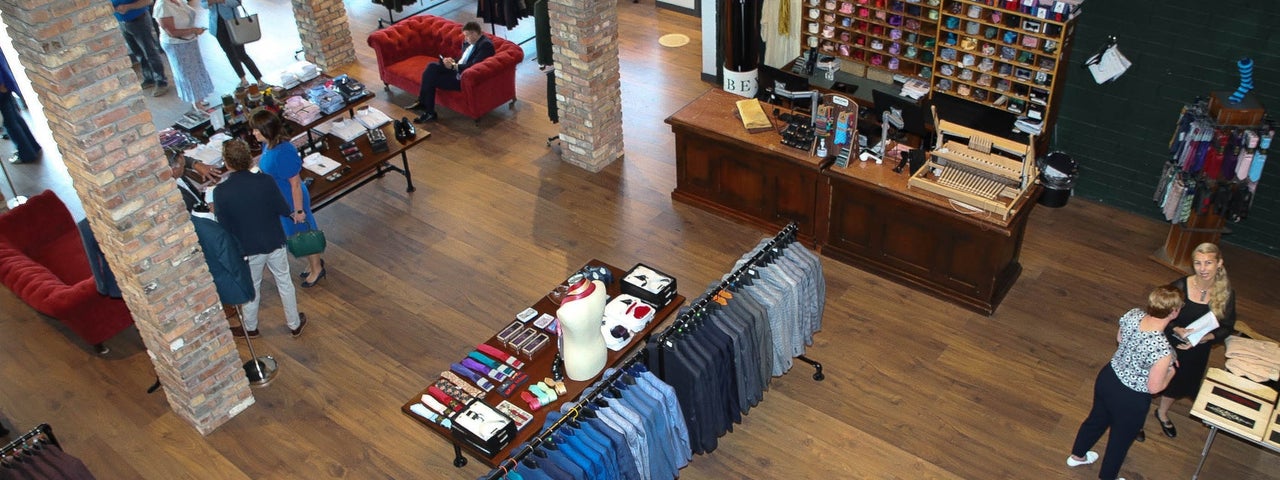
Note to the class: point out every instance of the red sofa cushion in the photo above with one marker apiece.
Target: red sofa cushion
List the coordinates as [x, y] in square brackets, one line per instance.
[43, 261]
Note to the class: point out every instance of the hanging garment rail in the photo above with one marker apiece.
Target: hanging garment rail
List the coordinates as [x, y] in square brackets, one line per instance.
[24, 440]
[572, 414]
[786, 235]
[391, 19]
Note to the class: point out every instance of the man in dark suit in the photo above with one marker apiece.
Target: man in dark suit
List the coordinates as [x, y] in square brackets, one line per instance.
[447, 73]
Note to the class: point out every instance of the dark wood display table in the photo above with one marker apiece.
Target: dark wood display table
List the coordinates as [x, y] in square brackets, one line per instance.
[538, 368]
[370, 167]
[863, 214]
[752, 177]
[918, 238]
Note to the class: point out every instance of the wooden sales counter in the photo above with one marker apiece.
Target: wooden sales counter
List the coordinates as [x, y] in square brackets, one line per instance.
[750, 177]
[863, 214]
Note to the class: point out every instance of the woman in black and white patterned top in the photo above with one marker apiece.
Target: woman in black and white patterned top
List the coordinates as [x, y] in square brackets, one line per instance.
[1142, 365]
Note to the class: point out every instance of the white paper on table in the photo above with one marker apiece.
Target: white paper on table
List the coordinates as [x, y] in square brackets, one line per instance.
[1202, 326]
[320, 164]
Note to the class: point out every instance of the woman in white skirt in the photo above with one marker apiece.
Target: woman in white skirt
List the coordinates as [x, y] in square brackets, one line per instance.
[178, 35]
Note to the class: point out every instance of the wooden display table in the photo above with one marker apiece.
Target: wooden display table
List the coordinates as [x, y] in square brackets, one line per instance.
[537, 368]
[752, 177]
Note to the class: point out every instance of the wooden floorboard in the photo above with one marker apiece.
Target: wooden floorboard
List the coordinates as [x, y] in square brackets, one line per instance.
[915, 387]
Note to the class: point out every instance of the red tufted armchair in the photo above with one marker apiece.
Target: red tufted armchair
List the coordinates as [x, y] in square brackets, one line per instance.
[405, 49]
[43, 261]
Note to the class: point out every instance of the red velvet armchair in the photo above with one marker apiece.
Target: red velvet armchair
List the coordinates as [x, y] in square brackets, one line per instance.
[405, 49]
[43, 261]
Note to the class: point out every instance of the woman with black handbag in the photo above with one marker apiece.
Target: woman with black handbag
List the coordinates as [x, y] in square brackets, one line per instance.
[220, 12]
[280, 159]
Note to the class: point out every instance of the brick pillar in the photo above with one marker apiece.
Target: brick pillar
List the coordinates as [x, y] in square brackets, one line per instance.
[588, 92]
[79, 69]
[326, 35]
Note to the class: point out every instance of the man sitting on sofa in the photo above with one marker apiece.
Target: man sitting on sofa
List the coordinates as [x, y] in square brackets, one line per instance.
[447, 73]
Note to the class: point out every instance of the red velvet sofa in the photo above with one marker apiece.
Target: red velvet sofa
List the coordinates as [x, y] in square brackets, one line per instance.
[406, 48]
[43, 261]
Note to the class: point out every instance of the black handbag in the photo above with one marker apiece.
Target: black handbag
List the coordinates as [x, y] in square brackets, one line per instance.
[308, 242]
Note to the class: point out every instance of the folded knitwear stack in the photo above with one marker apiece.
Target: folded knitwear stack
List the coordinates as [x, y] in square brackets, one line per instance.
[1256, 360]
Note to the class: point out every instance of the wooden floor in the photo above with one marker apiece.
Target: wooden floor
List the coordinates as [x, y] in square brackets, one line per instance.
[915, 388]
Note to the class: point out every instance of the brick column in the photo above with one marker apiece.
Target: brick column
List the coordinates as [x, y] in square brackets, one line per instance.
[326, 35]
[588, 92]
[79, 69]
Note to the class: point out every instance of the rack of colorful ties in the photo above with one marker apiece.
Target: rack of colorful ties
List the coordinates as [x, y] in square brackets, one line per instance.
[1212, 168]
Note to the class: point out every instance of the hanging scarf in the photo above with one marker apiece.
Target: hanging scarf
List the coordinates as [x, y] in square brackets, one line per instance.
[784, 18]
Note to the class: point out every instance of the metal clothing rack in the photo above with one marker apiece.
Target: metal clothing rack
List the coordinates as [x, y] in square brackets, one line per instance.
[604, 385]
[25, 440]
[391, 19]
[786, 236]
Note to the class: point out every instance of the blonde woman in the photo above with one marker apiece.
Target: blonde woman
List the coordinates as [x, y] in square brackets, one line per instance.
[1208, 289]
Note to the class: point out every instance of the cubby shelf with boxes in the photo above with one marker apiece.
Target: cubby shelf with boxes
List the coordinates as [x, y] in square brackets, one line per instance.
[895, 35]
[1004, 58]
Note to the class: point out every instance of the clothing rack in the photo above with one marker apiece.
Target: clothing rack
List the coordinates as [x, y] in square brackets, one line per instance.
[25, 440]
[787, 235]
[586, 398]
[391, 19]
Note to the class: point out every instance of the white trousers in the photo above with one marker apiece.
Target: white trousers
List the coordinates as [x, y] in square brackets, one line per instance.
[278, 262]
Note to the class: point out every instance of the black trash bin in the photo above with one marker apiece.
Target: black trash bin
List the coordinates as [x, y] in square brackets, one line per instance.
[1058, 174]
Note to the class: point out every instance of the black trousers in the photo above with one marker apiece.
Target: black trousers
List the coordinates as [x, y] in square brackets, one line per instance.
[235, 53]
[1120, 408]
[436, 76]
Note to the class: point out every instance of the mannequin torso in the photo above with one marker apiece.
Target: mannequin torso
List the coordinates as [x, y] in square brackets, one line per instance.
[581, 343]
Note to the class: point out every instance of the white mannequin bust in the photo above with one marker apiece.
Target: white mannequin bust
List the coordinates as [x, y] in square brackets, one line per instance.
[581, 343]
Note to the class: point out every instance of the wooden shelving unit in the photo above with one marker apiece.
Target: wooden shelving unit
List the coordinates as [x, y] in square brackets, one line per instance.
[894, 35]
[1001, 58]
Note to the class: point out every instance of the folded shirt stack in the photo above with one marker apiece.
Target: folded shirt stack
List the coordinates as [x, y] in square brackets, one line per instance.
[300, 110]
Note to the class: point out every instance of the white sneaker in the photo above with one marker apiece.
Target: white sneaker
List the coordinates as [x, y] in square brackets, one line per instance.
[1089, 457]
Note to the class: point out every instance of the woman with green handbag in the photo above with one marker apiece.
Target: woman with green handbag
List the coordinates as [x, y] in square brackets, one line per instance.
[280, 159]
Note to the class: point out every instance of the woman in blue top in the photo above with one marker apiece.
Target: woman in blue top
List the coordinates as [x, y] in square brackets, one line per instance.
[1142, 365]
[280, 159]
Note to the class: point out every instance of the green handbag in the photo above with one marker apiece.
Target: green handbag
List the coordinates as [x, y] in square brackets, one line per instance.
[309, 242]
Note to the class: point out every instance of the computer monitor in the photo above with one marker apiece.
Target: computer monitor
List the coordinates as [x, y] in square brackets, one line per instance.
[771, 78]
[913, 116]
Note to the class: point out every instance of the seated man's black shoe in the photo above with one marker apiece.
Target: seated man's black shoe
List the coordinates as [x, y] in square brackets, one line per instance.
[414, 106]
[424, 118]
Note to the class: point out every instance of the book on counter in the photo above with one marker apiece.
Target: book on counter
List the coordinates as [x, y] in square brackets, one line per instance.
[753, 117]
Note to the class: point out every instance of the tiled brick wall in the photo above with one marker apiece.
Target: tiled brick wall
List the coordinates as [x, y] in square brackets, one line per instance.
[588, 90]
[76, 59]
[1119, 132]
[325, 32]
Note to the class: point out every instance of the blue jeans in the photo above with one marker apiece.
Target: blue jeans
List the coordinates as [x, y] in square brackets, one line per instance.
[140, 36]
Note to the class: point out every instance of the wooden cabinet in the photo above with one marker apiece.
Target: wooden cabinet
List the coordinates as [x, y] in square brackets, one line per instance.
[752, 177]
[894, 35]
[916, 237]
[1002, 58]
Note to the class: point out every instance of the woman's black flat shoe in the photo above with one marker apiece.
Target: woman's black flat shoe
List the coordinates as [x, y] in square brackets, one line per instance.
[1167, 427]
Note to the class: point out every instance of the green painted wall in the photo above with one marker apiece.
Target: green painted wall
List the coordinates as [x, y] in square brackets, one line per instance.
[1180, 49]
